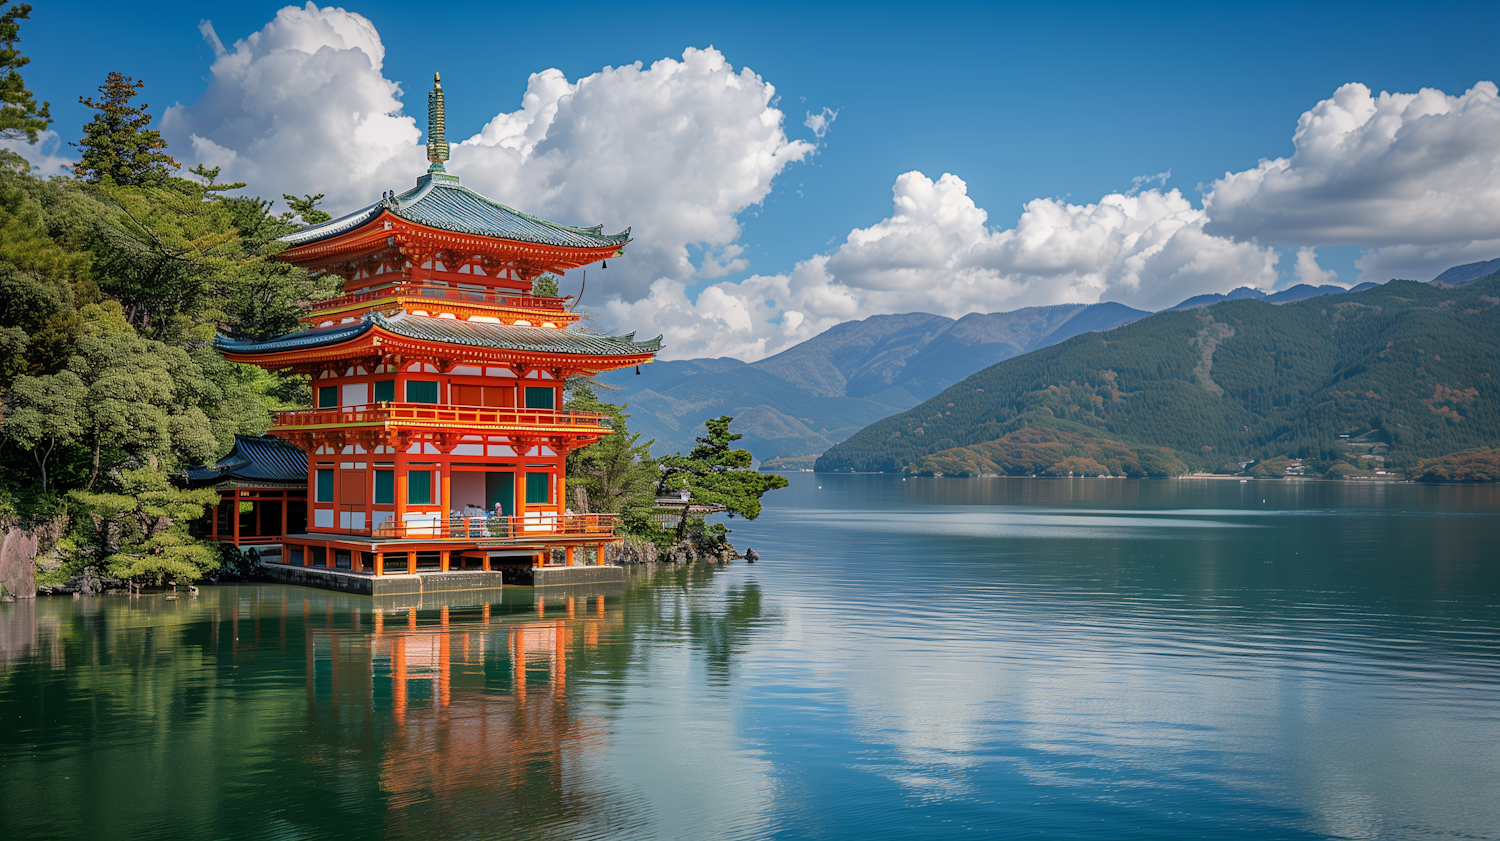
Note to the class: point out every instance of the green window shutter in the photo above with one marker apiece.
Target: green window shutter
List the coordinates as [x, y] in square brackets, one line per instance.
[419, 487]
[385, 391]
[325, 486]
[385, 487]
[328, 397]
[421, 391]
[538, 488]
[539, 398]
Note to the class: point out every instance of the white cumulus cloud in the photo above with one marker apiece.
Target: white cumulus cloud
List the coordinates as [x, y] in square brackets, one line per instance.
[1413, 176]
[675, 150]
[936, 253]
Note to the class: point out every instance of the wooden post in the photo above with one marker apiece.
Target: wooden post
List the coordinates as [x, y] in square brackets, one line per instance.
[329, 554]
[400, 513]
[485, 565]
[443, 558]
[234, 511]
[306, 555]
[447, 502]
[286, 502]
[569, 554]
[213, 525]
[356, 561]
[411, 563]
[379, 564]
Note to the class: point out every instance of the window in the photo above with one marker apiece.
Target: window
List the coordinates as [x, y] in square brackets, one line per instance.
[419, 487]
[385, 487]
[421, 391]
[539, 398]
[328, 397]
[324, 491]
[538, 488]
[385, 391]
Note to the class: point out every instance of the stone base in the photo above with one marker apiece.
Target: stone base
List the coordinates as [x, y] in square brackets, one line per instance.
[419, 585]
[569, 576]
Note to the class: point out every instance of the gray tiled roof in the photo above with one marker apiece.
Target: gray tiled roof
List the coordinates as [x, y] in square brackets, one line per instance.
[453, 332]
[256, 459]
[439, 201]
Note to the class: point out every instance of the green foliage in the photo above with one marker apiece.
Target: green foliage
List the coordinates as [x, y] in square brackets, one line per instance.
[545, 286]
[713, 473]
[117, 147]
[1477, 465]
[617, 474]
[1039, 444]
[1238, 381]
[20, 115]
[307, 207]
[139, 527]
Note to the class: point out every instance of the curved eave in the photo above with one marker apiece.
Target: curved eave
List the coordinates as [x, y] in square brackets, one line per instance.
[375, 337]
[373, 233]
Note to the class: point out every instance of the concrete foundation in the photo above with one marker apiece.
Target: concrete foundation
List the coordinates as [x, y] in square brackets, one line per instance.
[419, 585]
[572, 576]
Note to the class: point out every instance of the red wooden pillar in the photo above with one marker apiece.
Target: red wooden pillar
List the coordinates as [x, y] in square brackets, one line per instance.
[234, 512]
[443, 555]
[379, 565]
[411, 563]
[569, 554]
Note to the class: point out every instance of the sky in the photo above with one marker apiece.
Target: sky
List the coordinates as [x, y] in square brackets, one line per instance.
[787, 167]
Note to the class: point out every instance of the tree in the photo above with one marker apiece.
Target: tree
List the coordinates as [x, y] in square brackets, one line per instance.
[545, 286]
[617, 474]
[43, 413]
[140, 527]
[306, 207]
[117, 147]
[715, 474]
[20, 115]
[211, 185]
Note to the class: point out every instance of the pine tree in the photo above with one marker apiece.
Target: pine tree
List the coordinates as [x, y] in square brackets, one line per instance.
[20, 116]
[117, 146]
[307, 207]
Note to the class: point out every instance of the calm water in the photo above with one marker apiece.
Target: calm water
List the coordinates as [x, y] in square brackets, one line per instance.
[940, 658]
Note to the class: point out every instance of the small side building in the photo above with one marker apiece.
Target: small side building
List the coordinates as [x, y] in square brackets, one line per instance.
[262, 485]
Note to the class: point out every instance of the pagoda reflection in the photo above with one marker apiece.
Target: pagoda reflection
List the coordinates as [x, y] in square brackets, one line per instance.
[466, 708]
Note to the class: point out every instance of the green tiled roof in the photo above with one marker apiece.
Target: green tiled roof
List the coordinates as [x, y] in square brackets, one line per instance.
[490, 335]
[439, 201]
[451, 331]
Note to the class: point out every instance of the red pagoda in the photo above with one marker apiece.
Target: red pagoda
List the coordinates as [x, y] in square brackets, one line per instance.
[437, 437]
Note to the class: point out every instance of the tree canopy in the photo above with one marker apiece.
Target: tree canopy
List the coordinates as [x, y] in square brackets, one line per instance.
[117, 147]
[20, 114]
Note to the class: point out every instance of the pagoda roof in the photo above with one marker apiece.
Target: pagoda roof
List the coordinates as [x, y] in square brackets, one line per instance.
[255, 458]
[449, 331]
[439, 201]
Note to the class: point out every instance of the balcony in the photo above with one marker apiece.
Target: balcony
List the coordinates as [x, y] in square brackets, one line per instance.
[497, 529]
[435, 294]
[443, 416]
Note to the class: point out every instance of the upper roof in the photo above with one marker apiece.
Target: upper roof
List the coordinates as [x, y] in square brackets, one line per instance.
[255, 458]
[439, 201]
[450, 331]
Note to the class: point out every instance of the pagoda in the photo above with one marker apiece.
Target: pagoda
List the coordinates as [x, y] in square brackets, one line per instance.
[437, 438]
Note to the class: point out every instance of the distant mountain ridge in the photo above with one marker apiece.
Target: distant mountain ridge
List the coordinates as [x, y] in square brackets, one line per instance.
[795, 405]
[1468, 272]
[1411, 364]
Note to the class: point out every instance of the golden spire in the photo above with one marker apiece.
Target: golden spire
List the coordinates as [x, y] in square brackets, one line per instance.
[437, 141]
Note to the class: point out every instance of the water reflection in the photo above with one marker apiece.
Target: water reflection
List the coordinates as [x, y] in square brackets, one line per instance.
[278, 711]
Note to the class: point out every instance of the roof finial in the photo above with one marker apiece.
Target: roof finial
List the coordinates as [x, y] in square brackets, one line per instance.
[437, 141]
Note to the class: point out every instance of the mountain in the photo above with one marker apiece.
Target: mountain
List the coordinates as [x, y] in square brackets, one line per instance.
[1299, 292]
[1409, 366]
[1459, 275]
[793, 406]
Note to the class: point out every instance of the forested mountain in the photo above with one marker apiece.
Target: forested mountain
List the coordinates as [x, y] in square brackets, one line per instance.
[1459, 275]
[793, 406]
[1411, 364]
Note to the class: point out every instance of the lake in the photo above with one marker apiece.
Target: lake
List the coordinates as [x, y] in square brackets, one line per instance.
[929, 658]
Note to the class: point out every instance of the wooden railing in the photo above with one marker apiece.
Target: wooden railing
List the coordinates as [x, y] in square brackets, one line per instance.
[437, 413]
[509, 527]
[445, 293]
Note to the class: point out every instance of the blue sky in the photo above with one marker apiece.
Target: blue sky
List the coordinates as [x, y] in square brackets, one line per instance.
[1019, 101]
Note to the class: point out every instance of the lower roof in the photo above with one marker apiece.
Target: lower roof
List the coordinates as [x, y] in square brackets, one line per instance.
[449, 331]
